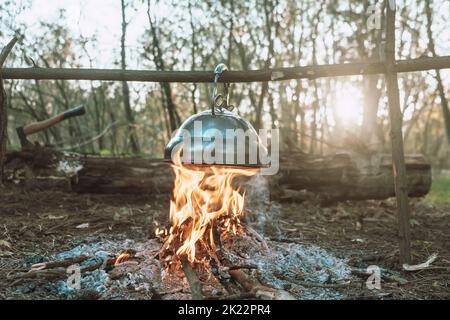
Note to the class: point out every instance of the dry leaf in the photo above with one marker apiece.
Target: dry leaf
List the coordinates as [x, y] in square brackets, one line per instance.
[4, 243]
[420, 266]
[83, 226]
[6, 253]
[53, 217]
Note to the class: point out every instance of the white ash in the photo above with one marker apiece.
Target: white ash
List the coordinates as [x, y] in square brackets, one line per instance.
[283, 266]
[289, 265]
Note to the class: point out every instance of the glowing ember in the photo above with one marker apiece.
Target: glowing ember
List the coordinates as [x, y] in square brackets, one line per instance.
[122, 258]
[205, 204]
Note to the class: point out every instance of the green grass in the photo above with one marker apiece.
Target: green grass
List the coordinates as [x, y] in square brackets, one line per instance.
[440, 191]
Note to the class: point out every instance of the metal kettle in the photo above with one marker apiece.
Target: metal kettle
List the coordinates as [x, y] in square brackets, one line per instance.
[228, 138]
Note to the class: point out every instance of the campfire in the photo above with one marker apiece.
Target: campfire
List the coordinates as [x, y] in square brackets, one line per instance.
[206, 208]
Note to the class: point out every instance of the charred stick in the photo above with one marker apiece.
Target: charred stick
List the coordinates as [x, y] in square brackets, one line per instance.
[238, 296]
[244, 266]
[55, 270]
[60, 263]
[47, 274]
[92, 267]
[258, 237]
[224, 279]
[193, 280]
[216, 269]
[241, 278]
[322, 285]
[258, 290]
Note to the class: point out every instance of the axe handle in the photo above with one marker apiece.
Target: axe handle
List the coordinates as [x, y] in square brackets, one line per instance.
[45, 124]
[42, 125]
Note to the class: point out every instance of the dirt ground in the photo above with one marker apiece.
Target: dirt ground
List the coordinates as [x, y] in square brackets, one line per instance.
[34, 225]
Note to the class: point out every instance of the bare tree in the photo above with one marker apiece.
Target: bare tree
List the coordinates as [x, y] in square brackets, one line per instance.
[158, 59]
[125, 88]
[440, 87]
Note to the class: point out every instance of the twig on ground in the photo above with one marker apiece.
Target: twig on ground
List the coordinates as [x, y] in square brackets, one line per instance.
[323, 285]
[387, 277]
[421, 266]
[244, 266]
[60, 263]
[239, 296]
[258, 237]
[258, 290]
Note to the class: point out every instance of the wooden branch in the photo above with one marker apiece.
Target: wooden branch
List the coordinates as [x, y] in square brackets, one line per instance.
[194, 282]
[60, 263]
[305, 72]
[398, 156]
[6, 50]
[96, 137]
[3, 113]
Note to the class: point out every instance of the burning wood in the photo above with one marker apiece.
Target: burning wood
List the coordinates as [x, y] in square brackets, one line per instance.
[125, 256]
[206, 208]
[204, 202]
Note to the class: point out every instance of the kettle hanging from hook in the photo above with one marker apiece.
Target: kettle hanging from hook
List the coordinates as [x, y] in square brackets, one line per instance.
[218, 100]
[220, 119]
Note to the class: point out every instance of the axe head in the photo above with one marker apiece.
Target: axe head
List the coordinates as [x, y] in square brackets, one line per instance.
[74, 112]
[24, 142]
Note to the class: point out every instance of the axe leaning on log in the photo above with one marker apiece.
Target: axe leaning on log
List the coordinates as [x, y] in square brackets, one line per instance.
[35, 127]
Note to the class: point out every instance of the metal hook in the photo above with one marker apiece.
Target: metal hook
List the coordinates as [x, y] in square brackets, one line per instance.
[220, 68]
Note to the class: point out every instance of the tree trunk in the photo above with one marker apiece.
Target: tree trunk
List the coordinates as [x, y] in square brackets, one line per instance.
[125, 88]
[440, 87]
[3, 127]
[174, 118]
[3, 112]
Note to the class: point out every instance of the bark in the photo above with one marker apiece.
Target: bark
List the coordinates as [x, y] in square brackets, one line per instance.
[193, 55]
[3, 127]
[346, 176]
[440, 87]
[268, 11]
[125, 88]
[3, 108]
[371, 98]
[316, 103]
[398, 156]
[174, 118]
[276, 74]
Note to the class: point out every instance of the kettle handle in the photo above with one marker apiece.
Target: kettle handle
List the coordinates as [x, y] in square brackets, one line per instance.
[220, 68]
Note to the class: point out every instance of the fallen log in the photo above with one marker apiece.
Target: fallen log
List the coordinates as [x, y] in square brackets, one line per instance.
[347, 176]
[344, 176]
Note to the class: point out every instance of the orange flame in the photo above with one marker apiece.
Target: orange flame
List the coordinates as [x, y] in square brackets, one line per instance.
[204, 200]
[122, 258]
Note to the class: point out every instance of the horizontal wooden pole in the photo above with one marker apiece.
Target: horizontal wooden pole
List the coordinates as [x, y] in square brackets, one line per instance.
[307, 72]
